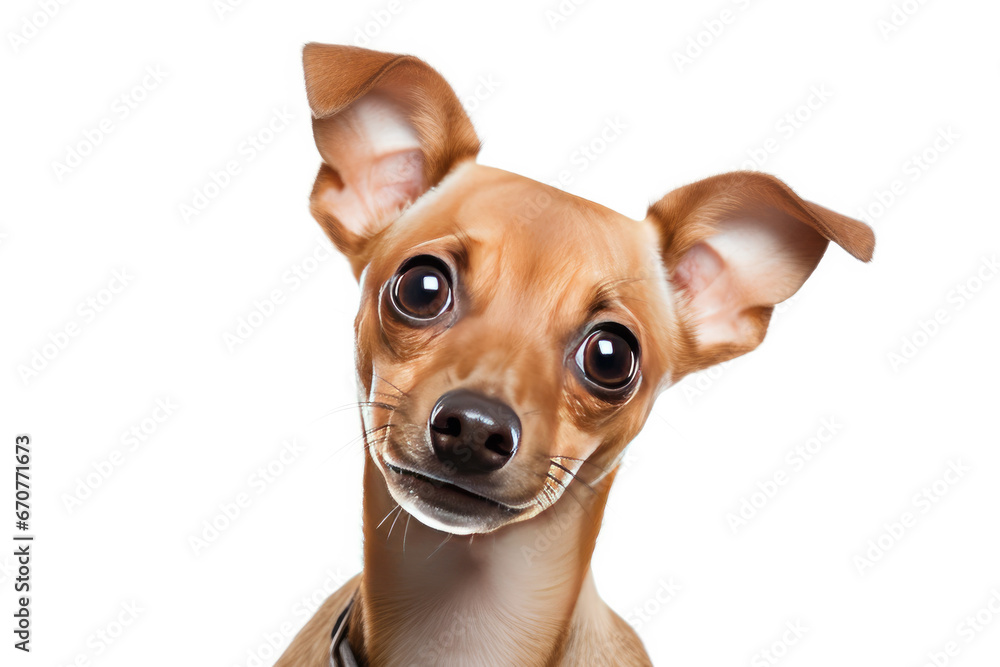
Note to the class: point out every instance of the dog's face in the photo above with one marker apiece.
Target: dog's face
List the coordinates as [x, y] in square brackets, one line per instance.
[511, 337]
[523, 344]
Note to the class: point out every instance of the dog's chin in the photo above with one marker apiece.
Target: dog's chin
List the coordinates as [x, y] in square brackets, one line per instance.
[444, 506]
[445, 520]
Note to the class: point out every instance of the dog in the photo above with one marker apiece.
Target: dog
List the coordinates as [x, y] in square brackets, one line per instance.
[511, 341]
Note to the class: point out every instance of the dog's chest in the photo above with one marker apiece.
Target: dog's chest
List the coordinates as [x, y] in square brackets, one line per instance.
[512, 606]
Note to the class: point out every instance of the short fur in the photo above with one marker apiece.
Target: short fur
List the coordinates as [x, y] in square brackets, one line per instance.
[535, 268]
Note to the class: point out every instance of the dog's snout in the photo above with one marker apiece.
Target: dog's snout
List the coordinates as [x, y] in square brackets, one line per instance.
[472, 432]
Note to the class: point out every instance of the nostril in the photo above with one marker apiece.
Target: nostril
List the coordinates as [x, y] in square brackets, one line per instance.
[473, 432]
[499, 444]
[447, 425]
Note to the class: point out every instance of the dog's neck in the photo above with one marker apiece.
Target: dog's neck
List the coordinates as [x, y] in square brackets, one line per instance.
[441, 599]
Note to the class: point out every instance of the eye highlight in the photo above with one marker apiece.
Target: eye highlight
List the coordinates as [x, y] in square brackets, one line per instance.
[421, 289]
[608, 358]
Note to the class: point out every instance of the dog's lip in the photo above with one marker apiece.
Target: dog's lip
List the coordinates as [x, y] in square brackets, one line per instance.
[451, 486]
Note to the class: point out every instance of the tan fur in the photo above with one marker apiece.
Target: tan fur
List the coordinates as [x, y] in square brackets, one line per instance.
[689, 215]
[434, 110]
[311, 645]
[695, 282]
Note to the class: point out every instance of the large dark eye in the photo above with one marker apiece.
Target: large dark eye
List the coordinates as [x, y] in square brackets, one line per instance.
[609, 356]
[422, 289]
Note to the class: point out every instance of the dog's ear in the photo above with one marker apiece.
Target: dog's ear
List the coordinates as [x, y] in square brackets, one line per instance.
[388, 128]
[734, 246]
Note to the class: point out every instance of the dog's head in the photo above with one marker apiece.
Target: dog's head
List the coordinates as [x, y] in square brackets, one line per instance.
[512, 337]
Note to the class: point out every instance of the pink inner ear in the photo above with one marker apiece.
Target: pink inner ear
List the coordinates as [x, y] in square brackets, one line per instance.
[699, 267]
[713, 293]
[398, 179]
[751, 261]
[376, 153]
[375, 189]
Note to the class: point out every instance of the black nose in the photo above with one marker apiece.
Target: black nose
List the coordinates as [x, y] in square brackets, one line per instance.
[473, 433]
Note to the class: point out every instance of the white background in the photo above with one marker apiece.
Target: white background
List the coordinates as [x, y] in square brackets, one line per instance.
[710, 442]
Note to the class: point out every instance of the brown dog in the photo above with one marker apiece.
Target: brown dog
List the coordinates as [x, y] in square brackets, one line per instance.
[511, 340]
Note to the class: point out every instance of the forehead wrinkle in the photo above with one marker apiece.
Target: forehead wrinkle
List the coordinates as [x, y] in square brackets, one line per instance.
[609, 295]
[454, 241]
[563, 286]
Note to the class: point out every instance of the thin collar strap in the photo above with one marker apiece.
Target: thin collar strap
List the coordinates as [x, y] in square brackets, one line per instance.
[341, 654]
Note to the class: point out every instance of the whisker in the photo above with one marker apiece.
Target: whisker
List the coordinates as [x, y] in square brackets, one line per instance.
[584, 461]
[356, 439]
[572, 495]
[393, 524]
[568, 491]
[401, 392]
[562, 467]
[575, 476]
[373, 429]
[439, 546]
[352, 406]
[365, 433]
[406, 529]
[386, 517]
[379, 404]
[376, 441]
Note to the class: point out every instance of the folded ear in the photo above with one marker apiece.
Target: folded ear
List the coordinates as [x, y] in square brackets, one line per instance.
[736, 244]
[388, 128]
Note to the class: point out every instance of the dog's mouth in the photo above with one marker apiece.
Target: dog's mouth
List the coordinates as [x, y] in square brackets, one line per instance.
[445, 505]
[448, 487]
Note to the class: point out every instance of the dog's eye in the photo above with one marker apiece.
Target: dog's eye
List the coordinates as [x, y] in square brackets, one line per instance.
[609, 356]
[421, 289]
